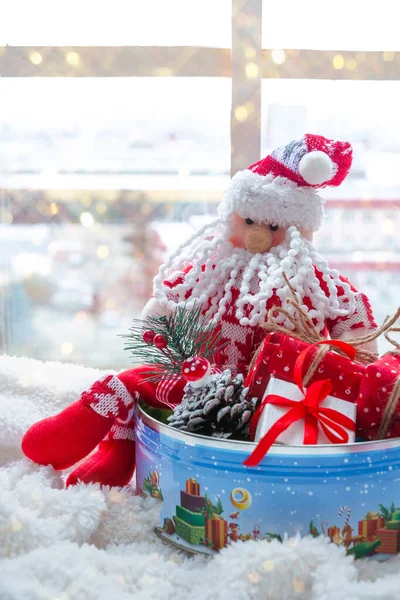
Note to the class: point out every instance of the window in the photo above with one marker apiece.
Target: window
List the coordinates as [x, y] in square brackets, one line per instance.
[118, 136]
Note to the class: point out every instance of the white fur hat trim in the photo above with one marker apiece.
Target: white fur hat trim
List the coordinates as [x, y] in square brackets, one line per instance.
[276, 200]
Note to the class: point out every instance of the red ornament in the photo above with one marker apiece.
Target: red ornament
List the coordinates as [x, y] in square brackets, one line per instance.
[196, 370]
[160, 341]
[148, 336]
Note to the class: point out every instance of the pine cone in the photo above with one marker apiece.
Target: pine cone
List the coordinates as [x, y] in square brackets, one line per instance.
[218, 409]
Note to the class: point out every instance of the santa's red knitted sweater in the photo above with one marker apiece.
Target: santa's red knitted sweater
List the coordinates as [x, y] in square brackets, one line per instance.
[241, 341]
[114, 396]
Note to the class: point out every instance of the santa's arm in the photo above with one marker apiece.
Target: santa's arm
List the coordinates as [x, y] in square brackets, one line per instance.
[356, 325]
[152, 308]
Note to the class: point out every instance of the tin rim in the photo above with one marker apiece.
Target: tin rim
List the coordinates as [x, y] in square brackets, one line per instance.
[194, 439]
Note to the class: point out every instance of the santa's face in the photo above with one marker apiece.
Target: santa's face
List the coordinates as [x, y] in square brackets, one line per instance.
[258, 237]
[244, 261]
[255, 237]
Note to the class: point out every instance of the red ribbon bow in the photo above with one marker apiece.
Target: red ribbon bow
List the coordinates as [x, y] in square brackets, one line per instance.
[331, 421]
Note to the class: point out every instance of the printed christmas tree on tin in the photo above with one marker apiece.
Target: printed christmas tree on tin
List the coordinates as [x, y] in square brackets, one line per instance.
[151, 485]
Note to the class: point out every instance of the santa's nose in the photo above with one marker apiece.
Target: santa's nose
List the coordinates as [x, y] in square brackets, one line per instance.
[258, 239]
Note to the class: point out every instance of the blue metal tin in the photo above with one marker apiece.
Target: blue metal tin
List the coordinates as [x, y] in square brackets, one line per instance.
[350, 492]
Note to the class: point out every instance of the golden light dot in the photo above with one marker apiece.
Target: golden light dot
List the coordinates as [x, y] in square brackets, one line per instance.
[53, 209]
[111, 303]
[251, 70]
[73, 59]
[24, 381]
[388, 227]
[7, 218]
[101, 208]
[16, 526]
[66, 348]
[35, 57]
[278, 56]
[388, 56]
[269, 565]
[298, 585]
[249, 106]
[361, 56]
[38, 374]
[145, 209]
[338, 62]
[147, 579]
[250, 52]
[115, 496]
[175, 558]
[241, 114]
[102, 251]
[254, 577]
[37, 494]
[81, 315]
[86, 219]
[351, 64]
[162, 72]
[184, 172]
[86, 201]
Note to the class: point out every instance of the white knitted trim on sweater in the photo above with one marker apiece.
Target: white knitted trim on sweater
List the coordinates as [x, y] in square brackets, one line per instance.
[121, 432]
[358, 319]
[109, 404]
[276, 200]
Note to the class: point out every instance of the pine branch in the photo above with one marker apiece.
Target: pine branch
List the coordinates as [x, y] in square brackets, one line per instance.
[187, 332]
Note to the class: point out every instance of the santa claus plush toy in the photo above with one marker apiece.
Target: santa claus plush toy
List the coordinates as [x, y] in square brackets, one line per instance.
[233, 269]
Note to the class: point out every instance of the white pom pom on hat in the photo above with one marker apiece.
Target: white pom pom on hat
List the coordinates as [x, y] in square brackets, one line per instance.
[316, 167]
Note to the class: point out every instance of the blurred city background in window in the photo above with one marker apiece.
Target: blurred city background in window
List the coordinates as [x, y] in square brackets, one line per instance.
[117, 142]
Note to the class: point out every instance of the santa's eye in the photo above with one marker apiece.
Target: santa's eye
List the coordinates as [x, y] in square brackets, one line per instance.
[274, 227]
[249, 222]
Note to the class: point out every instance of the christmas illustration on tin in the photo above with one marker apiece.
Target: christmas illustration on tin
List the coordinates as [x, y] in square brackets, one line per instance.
[200, 526]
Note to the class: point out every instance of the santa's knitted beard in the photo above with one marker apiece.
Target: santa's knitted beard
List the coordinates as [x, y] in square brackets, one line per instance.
[218, 267]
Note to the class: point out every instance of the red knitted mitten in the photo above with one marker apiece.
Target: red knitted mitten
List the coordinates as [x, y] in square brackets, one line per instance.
[113, 463]
[68, 437]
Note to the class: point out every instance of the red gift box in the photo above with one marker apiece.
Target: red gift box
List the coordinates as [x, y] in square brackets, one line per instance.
[334, 534]
[281, 397]
[278, 356]
[371, 522]
[217, 531]
[313, 401]
[390, 541]
[378, 385]
[194, 503]
[192, 487]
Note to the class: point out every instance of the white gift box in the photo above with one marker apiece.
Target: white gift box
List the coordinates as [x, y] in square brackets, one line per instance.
[294, 434]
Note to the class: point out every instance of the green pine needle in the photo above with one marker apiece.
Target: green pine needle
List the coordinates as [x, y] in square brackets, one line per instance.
[188, 333]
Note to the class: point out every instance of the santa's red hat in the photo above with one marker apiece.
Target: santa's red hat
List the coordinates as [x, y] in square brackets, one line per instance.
[282, 188]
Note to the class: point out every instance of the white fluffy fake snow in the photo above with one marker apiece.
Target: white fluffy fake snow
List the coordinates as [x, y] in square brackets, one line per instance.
[85, 543]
